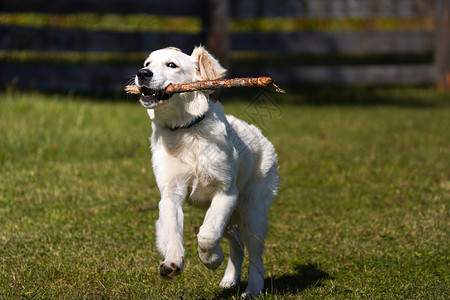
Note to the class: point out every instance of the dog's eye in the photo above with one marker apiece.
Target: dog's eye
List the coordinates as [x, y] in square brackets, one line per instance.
[172, 65]
[146, 64]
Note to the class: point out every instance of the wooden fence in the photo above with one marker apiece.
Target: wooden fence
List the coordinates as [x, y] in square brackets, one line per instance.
[215, 33]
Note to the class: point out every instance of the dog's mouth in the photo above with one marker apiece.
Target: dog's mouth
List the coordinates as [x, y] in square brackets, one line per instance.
[152, 98]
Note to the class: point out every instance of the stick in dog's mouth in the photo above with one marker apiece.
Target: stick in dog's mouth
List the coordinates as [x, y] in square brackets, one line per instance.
[151, 98]
[210, 85]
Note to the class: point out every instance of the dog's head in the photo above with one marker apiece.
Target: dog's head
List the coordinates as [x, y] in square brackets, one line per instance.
[171, 66]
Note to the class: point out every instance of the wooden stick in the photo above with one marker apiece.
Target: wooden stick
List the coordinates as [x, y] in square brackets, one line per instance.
[214, 84]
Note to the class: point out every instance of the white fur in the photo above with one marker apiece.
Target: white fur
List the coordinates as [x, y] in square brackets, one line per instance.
[220, 163]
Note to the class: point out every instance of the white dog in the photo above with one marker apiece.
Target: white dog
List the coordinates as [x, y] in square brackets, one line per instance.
[208, 159]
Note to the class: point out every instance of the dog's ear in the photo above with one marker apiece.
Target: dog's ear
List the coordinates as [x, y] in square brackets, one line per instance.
[206, 66]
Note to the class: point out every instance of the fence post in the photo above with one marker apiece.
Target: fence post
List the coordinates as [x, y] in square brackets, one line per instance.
[215, 33]
[443, 44]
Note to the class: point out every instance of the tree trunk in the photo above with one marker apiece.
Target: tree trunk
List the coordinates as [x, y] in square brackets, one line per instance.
[443, 44]
[215, 33]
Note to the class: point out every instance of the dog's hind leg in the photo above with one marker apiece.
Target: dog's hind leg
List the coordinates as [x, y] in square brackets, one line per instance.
[253, 232]
[254, 226]
[232, 275]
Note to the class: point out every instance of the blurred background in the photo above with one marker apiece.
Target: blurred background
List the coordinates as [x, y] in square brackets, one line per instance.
[86, 45]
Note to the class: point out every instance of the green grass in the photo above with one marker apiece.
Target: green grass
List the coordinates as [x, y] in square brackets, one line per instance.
[362, 211]
[152, 23]
[113, 22]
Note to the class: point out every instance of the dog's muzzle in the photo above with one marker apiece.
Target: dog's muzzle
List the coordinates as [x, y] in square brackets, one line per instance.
[150, 97]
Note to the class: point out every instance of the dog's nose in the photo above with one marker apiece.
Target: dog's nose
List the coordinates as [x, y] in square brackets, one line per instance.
[144, 74]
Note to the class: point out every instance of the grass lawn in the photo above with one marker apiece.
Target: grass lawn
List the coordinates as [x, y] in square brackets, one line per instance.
[362, 211]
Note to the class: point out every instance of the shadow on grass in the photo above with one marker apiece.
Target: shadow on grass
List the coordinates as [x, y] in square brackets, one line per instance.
[305, 277]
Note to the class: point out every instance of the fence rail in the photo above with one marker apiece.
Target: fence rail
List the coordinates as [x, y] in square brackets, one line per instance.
[331, 8]
[56, 39]
[239, 8]
[154, 7]
[347, 75]
[102, 76]
[359, 42]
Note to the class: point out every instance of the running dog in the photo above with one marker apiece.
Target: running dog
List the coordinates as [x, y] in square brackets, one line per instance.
[208, 159]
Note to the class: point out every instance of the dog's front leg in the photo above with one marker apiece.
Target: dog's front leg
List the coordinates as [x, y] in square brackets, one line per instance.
[169, 228]
[211, 232]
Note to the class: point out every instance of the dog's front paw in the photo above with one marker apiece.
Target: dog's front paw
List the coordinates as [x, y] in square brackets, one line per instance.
[170, 270]
[212, 258]
[229, 283]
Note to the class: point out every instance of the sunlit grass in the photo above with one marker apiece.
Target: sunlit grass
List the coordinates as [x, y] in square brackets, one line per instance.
[152, 23]
[113, 22]
[362, 210]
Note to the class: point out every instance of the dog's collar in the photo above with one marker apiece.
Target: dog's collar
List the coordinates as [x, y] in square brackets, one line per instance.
[193, 122]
